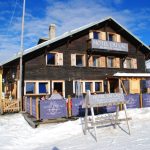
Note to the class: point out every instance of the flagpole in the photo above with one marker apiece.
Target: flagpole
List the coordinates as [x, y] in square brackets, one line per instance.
[21, 53]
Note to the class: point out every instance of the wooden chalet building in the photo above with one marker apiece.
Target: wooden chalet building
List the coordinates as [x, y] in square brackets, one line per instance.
[98, 56]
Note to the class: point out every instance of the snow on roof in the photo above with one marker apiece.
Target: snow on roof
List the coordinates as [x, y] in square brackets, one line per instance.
[67, 34]
[118, 74]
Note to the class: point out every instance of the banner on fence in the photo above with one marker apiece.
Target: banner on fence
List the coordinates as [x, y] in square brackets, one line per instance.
[133, 100]
[146, 100]
[77, 109]
[34, 107]
[28, 105]
[147, 83]
[52, 109]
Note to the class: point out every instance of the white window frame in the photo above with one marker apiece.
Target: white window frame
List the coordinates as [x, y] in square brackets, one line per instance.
[75, 57]
[93, 85]
[36, 86]
[58, 81]
[57, 62]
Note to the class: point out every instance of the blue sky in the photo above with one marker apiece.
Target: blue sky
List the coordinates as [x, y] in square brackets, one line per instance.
[67, 15]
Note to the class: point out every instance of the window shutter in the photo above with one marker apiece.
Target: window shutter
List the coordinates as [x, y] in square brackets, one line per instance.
[91, 61]
[118, 38]
[125, 64]
[134, 63]
[73, 59]
[57, 59]
[90, 35]
[84, 60]
[103, 35]
[102, 62]
[60, 58]
[117, 62]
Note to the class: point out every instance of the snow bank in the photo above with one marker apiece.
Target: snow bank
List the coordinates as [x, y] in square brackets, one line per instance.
[16, 134]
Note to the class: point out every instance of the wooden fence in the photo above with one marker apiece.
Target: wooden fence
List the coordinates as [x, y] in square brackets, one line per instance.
[9, 106]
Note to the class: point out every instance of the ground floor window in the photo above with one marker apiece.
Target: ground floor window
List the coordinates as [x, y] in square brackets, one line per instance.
[59, 86]
[93, 85]
[30, 87]
[43, 87]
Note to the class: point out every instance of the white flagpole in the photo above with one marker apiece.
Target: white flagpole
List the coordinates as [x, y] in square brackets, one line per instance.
[21, 53]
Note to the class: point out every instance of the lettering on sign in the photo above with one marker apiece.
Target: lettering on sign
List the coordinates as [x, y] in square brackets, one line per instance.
[106, 98]
[109, 45]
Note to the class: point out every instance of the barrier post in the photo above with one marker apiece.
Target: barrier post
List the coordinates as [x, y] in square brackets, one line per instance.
[37, 108]
[30, 105]
[69, 106]
[141, 103]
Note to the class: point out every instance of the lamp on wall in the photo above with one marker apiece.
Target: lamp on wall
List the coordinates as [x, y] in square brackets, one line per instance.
[13, 75]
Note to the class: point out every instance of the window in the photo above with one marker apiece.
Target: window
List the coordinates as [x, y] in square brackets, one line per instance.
[97, 61]
[88, 86]
[78, 60]
[130, 63]
[54, 59]
[113, 62]
[114, 37]
[84, 85]
[111, 37]
[98, 87]
[110, 63]
[51, 58]
[43, 87]
[30, 87]
[59, 86]
[97, 35]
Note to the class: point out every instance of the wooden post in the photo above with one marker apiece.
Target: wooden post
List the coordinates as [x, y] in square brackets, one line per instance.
[30, 105]
[141, 102]
[69, 106]
[37, 109]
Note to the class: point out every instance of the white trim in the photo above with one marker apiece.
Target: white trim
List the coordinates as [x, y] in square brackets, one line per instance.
[93, 85]
[37, 86]
[58, 81]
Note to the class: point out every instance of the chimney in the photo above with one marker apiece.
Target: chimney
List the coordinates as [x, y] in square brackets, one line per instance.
[52, 31]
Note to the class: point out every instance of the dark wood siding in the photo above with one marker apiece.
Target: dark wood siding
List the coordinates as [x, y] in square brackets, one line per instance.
[35, 65]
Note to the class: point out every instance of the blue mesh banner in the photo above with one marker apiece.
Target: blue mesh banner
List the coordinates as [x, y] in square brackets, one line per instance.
[133, 100]
[52, 109]
[77, 107]
[146, 100]
[34, 107]
[28, 105]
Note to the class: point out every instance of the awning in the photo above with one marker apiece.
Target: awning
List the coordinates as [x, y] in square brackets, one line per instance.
[118, 74]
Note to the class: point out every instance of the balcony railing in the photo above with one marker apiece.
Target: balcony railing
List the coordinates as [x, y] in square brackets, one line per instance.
[108, 45]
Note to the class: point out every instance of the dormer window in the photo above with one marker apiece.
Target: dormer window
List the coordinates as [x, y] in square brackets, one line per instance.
[96, 35]
[111, 37]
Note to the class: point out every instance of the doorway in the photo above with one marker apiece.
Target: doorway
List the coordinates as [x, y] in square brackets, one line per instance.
[113, 85]
[59, 86]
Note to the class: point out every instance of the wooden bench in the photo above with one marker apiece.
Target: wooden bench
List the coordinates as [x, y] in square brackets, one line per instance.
[101, 100]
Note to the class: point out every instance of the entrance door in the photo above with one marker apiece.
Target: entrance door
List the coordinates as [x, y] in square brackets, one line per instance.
[59, 86]
[113, 85]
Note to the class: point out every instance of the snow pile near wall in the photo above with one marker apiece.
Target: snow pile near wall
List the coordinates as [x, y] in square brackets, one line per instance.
[16, 134]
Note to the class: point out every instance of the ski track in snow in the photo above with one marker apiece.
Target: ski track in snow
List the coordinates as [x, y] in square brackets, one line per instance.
[16, 134]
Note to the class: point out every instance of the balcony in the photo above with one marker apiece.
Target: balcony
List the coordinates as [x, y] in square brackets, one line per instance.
[108, 45]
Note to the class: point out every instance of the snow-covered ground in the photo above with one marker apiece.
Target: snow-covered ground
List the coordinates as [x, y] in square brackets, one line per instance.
[16, 134]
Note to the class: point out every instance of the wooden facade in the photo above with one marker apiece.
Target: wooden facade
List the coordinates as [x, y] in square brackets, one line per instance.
[64, 71]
